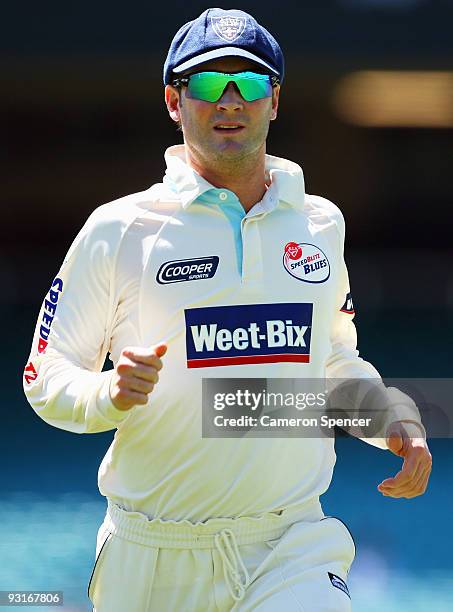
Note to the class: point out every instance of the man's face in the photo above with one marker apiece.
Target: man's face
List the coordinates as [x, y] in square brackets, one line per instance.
[201, 121]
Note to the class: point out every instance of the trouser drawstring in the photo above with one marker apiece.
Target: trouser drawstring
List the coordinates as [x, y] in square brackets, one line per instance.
[225, 542]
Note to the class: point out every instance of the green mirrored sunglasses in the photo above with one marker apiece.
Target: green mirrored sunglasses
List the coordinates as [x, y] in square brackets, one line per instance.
[209, 86]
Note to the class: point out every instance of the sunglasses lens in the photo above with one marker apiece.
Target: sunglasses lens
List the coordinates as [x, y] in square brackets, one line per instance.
[209, 86]
[254, 86]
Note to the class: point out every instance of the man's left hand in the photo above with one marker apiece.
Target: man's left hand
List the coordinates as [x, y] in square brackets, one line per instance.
[405, 440]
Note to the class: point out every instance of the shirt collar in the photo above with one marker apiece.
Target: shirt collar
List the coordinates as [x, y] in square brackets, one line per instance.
[286, 180]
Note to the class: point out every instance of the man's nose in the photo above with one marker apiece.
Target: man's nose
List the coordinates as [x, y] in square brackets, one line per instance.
[231, 98]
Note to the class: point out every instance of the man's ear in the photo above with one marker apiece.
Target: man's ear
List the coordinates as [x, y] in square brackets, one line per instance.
[275, 99]
[172, 100]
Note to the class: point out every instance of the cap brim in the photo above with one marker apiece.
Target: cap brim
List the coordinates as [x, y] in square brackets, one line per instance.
[222, 52]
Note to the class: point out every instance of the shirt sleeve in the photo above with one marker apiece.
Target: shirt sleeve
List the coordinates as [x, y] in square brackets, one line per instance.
[357, 384]
[62, 380]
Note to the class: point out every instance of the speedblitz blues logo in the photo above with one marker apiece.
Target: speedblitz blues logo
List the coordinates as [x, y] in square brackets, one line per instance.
[306, 262]
[248, 334]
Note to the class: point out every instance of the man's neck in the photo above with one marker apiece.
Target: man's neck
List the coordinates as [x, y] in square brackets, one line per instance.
[246, 180]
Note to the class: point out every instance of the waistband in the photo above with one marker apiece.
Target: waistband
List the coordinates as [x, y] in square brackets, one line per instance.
[139, 528]
[224, 534]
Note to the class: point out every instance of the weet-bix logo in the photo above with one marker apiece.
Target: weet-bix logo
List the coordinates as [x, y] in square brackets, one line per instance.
[247, 334]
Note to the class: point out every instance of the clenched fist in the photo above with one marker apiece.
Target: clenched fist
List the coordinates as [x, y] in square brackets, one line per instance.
[135, 375]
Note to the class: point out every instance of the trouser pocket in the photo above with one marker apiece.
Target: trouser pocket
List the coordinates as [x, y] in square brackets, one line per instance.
[123, 575]
[104, 538]
[347, 533]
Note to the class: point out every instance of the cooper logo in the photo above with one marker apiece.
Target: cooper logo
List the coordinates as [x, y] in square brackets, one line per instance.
[306, 262]
[187, 270]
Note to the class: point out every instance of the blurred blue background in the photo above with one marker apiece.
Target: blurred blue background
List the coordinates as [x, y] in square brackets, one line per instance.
[367, 110]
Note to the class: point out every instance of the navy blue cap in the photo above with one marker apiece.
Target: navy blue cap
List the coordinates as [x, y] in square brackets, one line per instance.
[222, 33]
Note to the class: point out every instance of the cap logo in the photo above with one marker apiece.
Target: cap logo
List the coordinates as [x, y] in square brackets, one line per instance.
[228, 28]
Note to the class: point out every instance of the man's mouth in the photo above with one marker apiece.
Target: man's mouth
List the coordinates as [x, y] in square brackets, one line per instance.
[229, 128]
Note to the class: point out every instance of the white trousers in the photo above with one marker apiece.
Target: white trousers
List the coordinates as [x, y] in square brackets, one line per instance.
[291, 560]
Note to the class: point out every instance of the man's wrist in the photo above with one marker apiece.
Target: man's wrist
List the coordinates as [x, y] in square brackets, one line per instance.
[412, 429]
[105, 403]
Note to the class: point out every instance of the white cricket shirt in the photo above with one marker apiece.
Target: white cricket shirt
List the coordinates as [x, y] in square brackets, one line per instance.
[235, 295]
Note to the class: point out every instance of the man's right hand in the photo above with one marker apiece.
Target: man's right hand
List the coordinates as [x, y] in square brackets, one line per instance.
[135, 375]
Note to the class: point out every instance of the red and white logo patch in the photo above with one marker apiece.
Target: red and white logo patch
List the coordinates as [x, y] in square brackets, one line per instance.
[30, 373]
[293, 250]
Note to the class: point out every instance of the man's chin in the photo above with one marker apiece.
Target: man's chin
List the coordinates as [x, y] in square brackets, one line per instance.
[230, 151]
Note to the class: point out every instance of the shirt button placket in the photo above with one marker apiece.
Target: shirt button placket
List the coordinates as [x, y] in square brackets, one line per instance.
[252, 261]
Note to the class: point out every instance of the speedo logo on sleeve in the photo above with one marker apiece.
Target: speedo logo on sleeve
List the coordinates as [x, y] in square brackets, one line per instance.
[187, 270]
[49, 308]
[249, 333]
